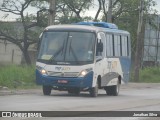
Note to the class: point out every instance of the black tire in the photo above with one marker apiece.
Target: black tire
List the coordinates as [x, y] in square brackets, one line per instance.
[94, 91]
[74, 91]
[108, 90]
[47, 90]
[113, 90]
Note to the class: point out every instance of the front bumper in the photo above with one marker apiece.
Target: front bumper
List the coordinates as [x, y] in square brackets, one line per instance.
[72, 82]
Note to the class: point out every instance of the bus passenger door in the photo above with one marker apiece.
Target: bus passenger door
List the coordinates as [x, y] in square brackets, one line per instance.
[100, 68]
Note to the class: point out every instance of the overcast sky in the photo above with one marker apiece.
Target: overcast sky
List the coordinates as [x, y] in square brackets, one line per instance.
[158, 6]
[92, 12]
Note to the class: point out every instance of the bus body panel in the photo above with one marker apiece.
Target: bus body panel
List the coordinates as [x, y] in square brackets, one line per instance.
[125, 64]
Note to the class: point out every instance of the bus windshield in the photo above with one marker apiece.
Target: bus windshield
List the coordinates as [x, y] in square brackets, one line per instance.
[67, 48]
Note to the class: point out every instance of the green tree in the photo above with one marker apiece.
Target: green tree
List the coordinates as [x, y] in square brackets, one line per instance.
[67, 11]
[71, 11]
[29, 31]
[125, 14]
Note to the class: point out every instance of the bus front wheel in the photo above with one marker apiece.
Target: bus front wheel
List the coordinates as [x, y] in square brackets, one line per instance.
[113, 90]
[47, 90]
[94, 91]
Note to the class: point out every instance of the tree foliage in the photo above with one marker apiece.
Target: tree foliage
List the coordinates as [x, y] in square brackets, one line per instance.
[124, 14]
[71, 11]
[25, 33]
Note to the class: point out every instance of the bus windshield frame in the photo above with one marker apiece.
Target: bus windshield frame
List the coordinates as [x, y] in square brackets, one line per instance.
[67, 47]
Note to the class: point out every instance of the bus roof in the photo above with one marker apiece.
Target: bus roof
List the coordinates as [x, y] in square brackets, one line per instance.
[83, 28]
[99, 24]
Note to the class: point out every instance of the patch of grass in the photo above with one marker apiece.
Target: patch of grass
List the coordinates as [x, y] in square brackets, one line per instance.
[13, 76]
[150, 75]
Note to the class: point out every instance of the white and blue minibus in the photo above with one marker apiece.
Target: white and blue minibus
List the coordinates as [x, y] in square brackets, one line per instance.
[83, 57]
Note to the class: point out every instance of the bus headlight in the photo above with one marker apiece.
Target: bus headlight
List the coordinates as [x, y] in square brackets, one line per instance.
[43, 72]
[84, 72]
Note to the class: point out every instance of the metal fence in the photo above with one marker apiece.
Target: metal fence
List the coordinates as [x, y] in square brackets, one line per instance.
[151, 51]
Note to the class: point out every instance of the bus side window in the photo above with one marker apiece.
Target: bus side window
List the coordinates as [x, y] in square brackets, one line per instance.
[124, 46]
[117, 45]
[109, 45]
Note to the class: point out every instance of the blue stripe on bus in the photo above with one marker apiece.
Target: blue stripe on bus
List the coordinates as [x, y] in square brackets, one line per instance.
[80, 82]
[125, 65]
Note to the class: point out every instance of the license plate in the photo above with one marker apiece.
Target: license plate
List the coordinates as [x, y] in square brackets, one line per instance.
[62, 81]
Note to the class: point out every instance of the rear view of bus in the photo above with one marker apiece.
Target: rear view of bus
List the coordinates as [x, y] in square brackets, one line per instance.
[73, 58]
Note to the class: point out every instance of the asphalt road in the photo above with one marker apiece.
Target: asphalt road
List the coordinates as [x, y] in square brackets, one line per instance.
[132, 97]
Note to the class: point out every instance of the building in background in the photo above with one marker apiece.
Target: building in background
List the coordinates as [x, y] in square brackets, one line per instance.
[151, 51]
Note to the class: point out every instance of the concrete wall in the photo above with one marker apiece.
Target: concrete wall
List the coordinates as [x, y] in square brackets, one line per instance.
[9, 53]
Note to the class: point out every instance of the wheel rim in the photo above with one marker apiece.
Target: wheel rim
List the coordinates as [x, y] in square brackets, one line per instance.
[117, 87]
[96, 88]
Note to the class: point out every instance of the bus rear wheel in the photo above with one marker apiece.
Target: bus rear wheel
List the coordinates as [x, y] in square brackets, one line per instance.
[47, 90]
[113, 90]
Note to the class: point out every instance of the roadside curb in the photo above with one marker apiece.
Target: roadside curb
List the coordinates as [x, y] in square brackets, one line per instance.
[140, 85]
[4, 92]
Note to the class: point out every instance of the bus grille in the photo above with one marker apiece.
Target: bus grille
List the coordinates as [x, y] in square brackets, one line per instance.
[61, 74]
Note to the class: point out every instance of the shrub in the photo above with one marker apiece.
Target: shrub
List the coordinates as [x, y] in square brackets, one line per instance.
[150, 75]
[13, 76]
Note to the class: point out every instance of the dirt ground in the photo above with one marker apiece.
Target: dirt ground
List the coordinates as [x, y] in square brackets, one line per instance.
[38, 90]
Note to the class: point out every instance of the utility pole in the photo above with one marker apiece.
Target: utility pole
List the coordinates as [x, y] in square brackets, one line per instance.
[138, 52]
[109, 15]
[52, 12]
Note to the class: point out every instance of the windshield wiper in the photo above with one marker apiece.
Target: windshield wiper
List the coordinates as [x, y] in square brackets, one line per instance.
[63, 47]
[57, 53]
[74, 55]
[71, 49]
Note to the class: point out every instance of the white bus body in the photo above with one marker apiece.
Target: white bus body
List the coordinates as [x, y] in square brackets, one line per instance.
[106, 62]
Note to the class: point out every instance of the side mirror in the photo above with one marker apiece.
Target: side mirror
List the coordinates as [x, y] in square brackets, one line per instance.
[39, 41]
[40, 36]
[100, 46]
